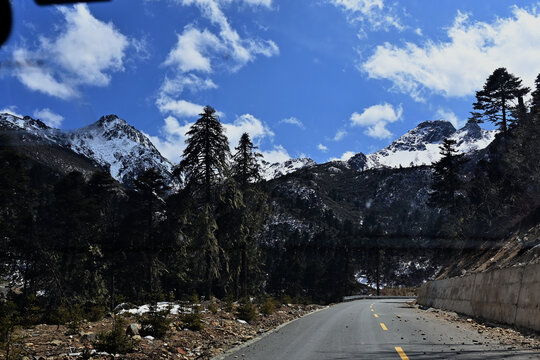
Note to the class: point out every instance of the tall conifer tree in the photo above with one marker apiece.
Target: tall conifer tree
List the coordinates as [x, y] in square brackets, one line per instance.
[499, 99]
[205, 164]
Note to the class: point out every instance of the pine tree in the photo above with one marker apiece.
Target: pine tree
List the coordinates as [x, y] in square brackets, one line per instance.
[523, 157]
[535, 97]
[246, 168]
[446, 179]
[204, 165]
[499, 98]
[151, 189]
[205, 159]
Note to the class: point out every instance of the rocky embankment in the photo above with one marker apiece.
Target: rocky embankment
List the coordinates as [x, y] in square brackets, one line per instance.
[221, 330]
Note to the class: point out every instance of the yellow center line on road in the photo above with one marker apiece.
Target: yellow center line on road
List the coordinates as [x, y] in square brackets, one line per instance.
[401, 353]
[384, 327]
[372, 310]
[376, 315]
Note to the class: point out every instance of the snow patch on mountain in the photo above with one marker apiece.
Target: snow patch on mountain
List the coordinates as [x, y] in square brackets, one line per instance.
[115, 144]
[111, 142]
[275, 170]
[420, 146]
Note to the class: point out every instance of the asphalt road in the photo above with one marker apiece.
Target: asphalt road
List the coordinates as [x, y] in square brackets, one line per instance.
[376, 329]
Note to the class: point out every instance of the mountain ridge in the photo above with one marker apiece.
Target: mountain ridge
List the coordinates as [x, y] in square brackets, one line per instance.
[114, 144]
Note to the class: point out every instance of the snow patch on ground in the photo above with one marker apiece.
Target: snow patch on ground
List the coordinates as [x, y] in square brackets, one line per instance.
[173, 308]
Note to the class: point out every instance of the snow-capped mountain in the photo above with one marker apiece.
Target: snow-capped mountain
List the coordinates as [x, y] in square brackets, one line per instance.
[126, 152]
[275, 170]
[420, 146]
[115, 144]
[110, 142]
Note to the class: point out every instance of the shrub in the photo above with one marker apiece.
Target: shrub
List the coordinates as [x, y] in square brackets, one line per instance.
[58, 316]
[212, 307]
[286, 299]
[155, 323]
[229, 304]
[74, 319]
[246, 311]
[268, 307]
[9, 318]
[95, 312]
[193, 321]
[116, 340]
[194, 298]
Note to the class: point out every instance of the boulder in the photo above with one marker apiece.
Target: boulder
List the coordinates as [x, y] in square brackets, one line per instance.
[88, 337]
[132, 330]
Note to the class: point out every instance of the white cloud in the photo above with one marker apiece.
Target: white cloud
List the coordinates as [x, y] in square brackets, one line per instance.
[266, 3]
[459, 66]
[203, 51]
[88, 47]
[142, 48]
[277, 154]
[322, 147]
[85, 52]
[171, 142]
[180, 108]
[191, 82]
[192, 50]
[449, 115]
[49, 117]
[39, 78]
[172, 137]
[12, 109]
[375, 118]
[374, 13]
[346, 156]
[340, 134]
[256, 129]
[292, 121]
[198, 46]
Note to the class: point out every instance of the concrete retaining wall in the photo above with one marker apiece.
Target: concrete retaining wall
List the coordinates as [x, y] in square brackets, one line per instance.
[509, 296]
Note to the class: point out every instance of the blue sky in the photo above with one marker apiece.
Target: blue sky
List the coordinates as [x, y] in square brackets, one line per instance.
[317, 78]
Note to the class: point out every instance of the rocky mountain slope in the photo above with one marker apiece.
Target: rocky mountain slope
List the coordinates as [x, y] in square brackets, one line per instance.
[274, 170]
[420, 146]
[113, 144]
[110, 143]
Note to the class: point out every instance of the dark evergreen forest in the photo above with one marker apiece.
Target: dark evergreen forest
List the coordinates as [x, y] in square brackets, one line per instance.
[69, 240]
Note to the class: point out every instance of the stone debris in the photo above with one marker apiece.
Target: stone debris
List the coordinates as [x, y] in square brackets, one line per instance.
[498, 333]
[221, 332]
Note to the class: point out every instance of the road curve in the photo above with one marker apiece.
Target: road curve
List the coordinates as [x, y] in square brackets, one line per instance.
[375, 329]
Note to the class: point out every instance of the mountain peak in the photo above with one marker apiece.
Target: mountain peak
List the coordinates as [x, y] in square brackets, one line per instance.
[109, 121]
[471, 130]
[427, 132]
[420, 146]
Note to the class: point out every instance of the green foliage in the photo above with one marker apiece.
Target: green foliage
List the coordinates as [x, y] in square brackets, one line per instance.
[193, 321]
[268, 307]
[246, 311]
[246, 168]
[9, 320]
[212, 307]
[74, 320]
[499, 98]
[194, 298]
[229, 303]
[116, 340]
[156, 323]
[58, 316]
[95, 312]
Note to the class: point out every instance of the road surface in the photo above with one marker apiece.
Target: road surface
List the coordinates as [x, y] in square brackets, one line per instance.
[376, 329]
